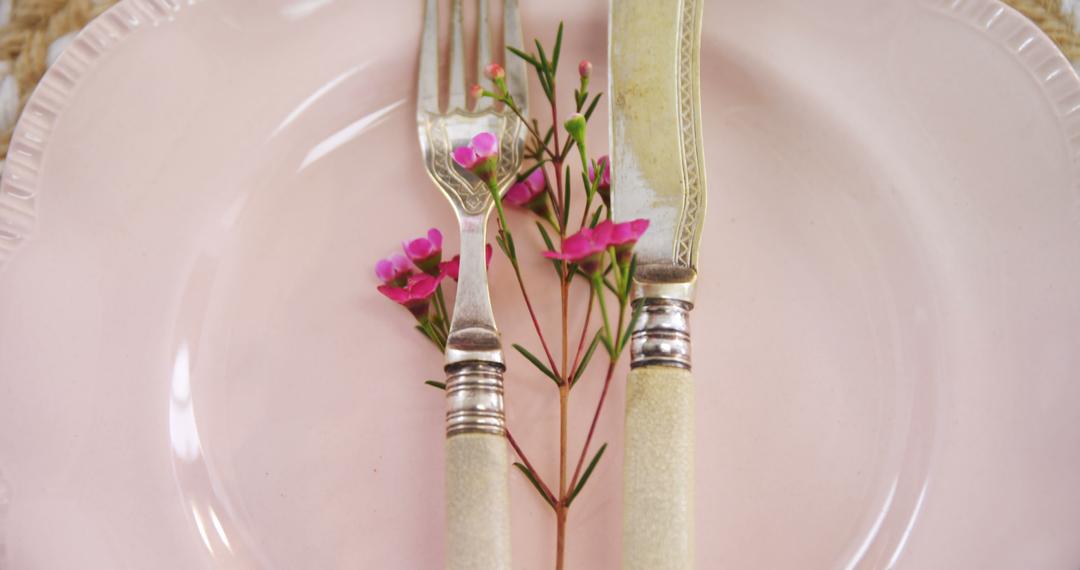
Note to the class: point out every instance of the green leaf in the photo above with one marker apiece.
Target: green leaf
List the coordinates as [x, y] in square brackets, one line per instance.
[543, 57]
[537, 363]
[586, 474]
[555, 263]
[634, 316]
[435, 384]
[566, 197]
[535, 483]
[587, 184]
[509, 240]
[630, 271]
[596, 217]
[585, 359]
[502, 245]
[556, 50]
[547, 238]
[430, 335]
[610, 287]
[592, 106]
[526, 57]
[545, 84]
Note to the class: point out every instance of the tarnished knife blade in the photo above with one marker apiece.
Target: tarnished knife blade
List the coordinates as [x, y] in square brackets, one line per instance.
[657, 167]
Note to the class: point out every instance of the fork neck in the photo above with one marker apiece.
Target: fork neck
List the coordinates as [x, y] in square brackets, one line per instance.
[473, 334]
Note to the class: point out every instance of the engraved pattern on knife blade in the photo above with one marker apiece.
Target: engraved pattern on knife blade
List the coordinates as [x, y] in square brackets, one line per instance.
[689, 230]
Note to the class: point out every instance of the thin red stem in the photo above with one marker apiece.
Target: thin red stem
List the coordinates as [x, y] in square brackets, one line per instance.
[581, 342]
[525, 460]
[532, 313]
[592, 426]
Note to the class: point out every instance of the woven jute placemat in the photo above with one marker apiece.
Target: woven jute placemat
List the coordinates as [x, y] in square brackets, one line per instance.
[34, 32]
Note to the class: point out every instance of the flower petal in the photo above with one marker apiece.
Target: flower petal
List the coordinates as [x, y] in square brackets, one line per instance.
[518, 195]
[466, 157]
[536, 180]
[485, 145]
[435, 237]
[395, 294]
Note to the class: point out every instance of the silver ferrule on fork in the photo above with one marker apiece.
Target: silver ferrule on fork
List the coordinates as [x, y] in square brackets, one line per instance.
[474, 398]
[661, 337]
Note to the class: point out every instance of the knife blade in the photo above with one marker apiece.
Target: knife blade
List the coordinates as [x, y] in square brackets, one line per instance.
[658, 173]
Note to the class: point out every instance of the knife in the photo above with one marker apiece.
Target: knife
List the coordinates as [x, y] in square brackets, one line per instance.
[658, 173]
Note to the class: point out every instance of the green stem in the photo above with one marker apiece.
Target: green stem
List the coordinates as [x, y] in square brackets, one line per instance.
[603, 308]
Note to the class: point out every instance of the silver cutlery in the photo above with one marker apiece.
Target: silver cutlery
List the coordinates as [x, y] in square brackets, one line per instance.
[658, 173]
[477, 462]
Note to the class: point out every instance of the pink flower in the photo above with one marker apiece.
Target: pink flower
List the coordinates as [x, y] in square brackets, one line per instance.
[394, 270]
[476, 92]
[480, 156]
[426, 253]
[531, 194]
[451, 268]
[415, 295]
[586, 248]
[624, 236]
[603, 186]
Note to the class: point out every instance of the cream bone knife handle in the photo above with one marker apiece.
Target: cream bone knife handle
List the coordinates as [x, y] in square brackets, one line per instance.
[658, 469]
[477, 466]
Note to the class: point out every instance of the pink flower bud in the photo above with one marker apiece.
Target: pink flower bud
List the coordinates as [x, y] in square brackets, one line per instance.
[476, 92]
[494, 72]
[603, 186]
[584, 69]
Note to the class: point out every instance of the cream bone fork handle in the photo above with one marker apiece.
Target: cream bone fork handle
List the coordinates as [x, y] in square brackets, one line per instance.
[477, 462]
[658, 173]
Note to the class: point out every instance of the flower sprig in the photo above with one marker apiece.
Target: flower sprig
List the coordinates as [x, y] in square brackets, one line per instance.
[592, 247]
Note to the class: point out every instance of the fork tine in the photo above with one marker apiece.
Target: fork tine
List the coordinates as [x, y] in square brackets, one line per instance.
[516, 82]
[427, 78]
[483, 48]
[457, 59]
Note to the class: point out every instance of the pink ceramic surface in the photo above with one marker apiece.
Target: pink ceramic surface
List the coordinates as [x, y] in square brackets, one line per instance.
[196, 370]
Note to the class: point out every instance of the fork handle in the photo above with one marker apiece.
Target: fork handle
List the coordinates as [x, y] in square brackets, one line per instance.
[477, 467]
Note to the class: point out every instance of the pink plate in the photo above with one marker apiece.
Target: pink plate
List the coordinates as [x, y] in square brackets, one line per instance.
[196, 370]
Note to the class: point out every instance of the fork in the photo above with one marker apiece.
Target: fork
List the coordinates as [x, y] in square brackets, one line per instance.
[477, 461]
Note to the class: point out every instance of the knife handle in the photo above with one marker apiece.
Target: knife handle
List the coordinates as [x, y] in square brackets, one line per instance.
[658, 467]
[477, 466]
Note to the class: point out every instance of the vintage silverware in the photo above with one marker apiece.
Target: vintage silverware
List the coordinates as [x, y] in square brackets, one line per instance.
[478, 502]
[658, 173]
